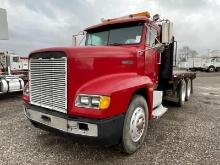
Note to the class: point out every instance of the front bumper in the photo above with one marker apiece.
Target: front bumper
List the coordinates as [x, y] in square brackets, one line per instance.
[106, 131]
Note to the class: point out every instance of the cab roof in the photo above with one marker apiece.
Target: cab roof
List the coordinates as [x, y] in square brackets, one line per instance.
[118, 21]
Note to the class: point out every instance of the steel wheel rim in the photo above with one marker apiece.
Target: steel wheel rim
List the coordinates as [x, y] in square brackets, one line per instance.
[188, 88]
[183, 92]
[137, 124]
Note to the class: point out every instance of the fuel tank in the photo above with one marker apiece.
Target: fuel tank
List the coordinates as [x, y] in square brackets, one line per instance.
[10, 84]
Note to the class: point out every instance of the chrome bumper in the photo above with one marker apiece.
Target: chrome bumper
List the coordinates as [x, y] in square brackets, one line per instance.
[65, 125]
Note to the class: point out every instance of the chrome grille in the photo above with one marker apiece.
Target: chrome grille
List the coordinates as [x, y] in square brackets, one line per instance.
[48, 85]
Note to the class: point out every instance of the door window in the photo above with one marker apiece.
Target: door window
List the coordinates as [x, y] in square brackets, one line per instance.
[151, 36]
[213, 60]
[15, 59]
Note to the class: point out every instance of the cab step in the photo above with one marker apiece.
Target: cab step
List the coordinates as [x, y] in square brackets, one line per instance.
[159, 111]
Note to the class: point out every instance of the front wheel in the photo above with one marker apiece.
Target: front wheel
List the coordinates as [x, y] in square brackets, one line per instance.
[135, 124]
[211, 69]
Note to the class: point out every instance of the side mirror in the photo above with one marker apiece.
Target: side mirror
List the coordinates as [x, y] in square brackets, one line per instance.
[156, 17]
[159, 47]
[74, 38]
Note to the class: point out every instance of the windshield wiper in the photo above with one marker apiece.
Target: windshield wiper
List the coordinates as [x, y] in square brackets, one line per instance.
[91, 45]
[115, 44]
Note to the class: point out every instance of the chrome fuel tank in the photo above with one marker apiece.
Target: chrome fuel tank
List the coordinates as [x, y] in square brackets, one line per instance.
[11, 84]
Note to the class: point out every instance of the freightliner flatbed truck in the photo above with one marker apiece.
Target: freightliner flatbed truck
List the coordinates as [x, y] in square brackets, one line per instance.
[110, 88]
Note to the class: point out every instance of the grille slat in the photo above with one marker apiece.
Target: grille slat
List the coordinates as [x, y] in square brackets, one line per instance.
[48, 83]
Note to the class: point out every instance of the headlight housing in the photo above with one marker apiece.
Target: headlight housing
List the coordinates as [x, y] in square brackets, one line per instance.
[93, 101]
[26, 93]
[26, 89]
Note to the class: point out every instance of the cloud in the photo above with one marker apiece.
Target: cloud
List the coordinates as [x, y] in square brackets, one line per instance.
[38, 24]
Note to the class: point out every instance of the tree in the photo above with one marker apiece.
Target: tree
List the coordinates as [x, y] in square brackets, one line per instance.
[186, 52]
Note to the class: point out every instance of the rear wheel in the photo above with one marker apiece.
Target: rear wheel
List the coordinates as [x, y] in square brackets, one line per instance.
[181, 93]
[188, 88]
[135, 125]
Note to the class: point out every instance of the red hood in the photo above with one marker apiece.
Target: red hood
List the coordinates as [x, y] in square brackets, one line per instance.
[95, 51]
[88, 63]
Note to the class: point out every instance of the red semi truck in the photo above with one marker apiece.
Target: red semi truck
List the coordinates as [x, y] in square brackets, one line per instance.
[110, 88]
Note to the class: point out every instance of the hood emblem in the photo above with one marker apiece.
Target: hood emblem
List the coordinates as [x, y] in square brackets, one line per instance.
[127, 62]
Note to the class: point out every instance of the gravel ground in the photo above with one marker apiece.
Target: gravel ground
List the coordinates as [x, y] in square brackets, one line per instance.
[187, 135]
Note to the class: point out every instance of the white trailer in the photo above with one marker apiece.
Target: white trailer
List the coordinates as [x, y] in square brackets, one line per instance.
[192, 63]
[195, 63]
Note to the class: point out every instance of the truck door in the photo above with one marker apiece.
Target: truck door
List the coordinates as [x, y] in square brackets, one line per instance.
[217, 63]
[151, 55]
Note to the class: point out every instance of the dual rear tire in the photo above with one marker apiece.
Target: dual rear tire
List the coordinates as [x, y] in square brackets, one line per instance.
[188, 89]
[184, 91]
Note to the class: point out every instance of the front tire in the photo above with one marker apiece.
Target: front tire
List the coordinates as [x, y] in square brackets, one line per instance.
[211, 69]
[135, 124]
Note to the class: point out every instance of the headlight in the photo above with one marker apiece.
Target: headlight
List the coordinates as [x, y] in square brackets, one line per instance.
[84, 100]
[93, 101]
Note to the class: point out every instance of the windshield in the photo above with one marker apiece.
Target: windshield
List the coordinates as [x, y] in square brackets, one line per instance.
[116, 36]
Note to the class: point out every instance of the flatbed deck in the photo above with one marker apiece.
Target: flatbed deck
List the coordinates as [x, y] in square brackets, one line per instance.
[180, 73]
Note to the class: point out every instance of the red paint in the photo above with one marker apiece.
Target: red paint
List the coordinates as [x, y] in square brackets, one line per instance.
[100, 71]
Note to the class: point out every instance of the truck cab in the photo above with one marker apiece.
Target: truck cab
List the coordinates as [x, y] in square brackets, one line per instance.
[110, 88]
[211, 64]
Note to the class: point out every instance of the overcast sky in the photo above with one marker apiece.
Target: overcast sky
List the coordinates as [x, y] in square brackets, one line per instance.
[36, 24]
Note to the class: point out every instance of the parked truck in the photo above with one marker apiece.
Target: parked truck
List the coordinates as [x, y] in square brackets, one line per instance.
[209, 64]
[15, 64]
[10, 83]
[109, 89]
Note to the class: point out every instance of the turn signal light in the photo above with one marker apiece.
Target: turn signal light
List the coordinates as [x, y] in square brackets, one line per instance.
[104, 102]
[144, 14]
